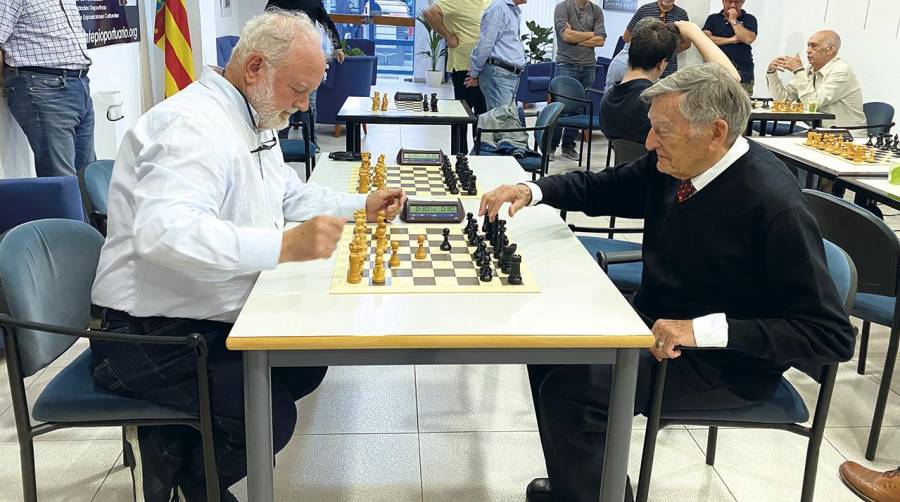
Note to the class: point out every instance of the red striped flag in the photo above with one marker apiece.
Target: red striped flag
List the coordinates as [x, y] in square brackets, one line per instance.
[172, 35]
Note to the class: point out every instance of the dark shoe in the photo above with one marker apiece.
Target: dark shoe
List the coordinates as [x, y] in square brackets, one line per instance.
[152, 475]
[869, 485]
[539, 491]
[570, 152]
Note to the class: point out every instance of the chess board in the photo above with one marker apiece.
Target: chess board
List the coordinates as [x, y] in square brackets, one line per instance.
[451, 271]
[882, 157]
[419, 182]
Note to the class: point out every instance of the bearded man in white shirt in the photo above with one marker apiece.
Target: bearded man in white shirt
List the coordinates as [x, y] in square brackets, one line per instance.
[197, 208]
[828, 81]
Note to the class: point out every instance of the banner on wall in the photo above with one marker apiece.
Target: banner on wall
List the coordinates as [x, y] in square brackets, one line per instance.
[110, 22]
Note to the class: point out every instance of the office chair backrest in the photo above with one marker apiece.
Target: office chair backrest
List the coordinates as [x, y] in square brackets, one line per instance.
[868, 240]
[620, 43]
[843, 273]
[878, 113]
[47, 269]
[29, 199]
[548, 117]
[563, 87]
[224, 48]
[97, 176]
[627, 151]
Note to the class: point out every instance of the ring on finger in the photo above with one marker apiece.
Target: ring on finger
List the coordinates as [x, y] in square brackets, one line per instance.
[659, 344]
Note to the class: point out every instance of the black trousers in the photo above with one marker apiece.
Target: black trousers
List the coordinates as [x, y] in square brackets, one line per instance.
[572, 406]
[167, 375]
[471, 95]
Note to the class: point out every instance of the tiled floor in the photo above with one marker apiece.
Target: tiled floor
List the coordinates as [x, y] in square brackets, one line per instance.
[467, 433]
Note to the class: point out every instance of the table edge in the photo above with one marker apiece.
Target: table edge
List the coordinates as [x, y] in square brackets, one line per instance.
[636, 341]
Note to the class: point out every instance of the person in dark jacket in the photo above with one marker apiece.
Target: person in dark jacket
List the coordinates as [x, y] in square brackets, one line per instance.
[732, 256]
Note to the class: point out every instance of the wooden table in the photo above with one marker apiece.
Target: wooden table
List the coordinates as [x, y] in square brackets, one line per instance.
[763, 116]
[793, 153]
[358, 110]
[578, 317]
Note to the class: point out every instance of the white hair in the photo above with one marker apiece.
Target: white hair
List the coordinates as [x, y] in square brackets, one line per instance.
[271, 34]
[708, 93]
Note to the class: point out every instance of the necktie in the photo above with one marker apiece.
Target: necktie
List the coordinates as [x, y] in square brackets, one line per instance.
[685, 190]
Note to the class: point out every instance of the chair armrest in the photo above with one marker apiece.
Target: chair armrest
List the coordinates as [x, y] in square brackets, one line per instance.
[192, 340]
[605, 259]
[556, 94]
[595, 91]
[856, 128]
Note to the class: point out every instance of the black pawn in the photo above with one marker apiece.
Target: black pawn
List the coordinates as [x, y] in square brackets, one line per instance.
[486, 273]
[508, 251]
[869, 143]
[472, 189]
[445, 246]
[485, 225]
[470, 220]
[515, 270]
[424, 104]
[434, 104]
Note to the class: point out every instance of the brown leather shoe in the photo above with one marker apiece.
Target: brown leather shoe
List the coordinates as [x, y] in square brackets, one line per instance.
[869, 485]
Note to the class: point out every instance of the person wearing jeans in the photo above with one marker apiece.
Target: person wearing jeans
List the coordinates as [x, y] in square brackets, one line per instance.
[579, 29]
[499, 57]
[45, 82]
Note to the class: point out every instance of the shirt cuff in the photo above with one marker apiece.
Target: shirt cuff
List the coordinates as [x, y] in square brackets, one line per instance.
[351, 204]
[711, 330]
[536, 194]
[260, 248]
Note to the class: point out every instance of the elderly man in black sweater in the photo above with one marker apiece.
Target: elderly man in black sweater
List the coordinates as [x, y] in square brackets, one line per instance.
[732, 258]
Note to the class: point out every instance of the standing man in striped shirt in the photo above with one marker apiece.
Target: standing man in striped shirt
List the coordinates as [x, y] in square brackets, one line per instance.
[43, 49]
[667, 12]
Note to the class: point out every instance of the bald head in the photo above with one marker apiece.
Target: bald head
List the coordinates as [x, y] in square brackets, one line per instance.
[276, 64]
[822, 47]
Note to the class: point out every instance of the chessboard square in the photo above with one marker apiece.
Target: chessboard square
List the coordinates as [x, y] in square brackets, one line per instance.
[444, 272]
[424, 281]
[468, 281]
[442, 265]
[420, 264]
[423, 272]
[440, 257]
[463, 265]
[405, 257]
[446, 282]
[402, 272]
[434, 231]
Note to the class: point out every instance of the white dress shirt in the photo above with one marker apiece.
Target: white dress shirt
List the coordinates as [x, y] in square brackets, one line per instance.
[194, 216]
[709, 330]
[834, 87]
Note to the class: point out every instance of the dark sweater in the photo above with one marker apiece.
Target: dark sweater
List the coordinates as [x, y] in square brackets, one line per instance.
[316, 12]
[622, 113]
[746, 245]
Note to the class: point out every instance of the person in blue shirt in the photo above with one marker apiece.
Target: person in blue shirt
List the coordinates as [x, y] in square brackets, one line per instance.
[499, 57]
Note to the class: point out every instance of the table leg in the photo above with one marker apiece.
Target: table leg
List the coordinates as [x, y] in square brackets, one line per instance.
[618, 429]
[454, 139]
[816, 124]
[258, 426]
[762, 127]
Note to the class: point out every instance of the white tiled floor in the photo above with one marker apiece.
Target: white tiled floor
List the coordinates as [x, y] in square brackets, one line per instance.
[467, 433]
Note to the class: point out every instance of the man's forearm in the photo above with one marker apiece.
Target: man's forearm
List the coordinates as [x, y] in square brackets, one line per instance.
[720, 41]
[435, 18]
[575, 37]
[744, 35]
[712, 54]
[596, 41]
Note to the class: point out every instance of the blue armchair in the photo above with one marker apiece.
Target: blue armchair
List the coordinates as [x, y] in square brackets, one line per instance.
[28, 199]
[534, 82]
[342, 81]
[368, 48]
[94, 180]
[224, 46]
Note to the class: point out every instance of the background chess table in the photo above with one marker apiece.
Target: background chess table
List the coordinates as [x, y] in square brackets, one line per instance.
[882, 157]
[451, 271]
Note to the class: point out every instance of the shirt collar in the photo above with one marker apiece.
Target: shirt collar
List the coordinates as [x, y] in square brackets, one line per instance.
[213, 78]
[737, 150]
[512, 4]
[825, 70]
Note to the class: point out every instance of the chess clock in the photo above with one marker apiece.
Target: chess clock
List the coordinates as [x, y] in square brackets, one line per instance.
[407, 157]
[411, 97]
[432, 211]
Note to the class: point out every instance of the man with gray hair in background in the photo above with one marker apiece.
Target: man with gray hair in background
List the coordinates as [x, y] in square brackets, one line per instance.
[198, 201]
[732, 259]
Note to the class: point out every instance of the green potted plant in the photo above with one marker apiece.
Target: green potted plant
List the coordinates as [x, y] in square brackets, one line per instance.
[537, 42]
[435, 50]
[351, 51]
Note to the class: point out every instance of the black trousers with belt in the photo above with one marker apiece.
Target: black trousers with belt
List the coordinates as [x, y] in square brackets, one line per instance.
[471, 95]
[167, 375]
[572, 406]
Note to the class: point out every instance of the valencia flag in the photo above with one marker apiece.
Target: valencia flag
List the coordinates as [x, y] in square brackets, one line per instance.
[172, 35]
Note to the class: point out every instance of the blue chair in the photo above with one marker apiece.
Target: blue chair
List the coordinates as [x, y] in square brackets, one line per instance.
[785, 410]
[534, 81]
[94, 180]
[47, 307]
[351, 78]
[600, 80]
[876, 252]
[27, 199]
[543, 133]
[224, 47]
[368, 48]
[620, 43]
[879, 117]
[300, 150]
[570, 92]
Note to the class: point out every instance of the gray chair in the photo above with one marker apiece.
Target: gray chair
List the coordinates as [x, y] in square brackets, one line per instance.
[94, 180]
[47, 269]
[573, 95]
[876, 252]
[785, 410]
[543, 131]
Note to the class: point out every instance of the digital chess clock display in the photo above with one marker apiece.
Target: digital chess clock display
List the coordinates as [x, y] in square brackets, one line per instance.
[432, 212]
[419, 157]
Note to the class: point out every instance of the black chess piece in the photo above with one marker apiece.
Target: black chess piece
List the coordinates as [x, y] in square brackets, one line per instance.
[445, 246]
[472, 190]
[515, 270]
[424, 104]
[505, 261]
[485, 274]
[500, 242]
[869, 143]
[434, 104]
[470, 220]
[485, 225]
[879, 141]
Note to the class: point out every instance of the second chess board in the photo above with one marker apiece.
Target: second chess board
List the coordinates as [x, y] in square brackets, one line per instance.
[419, 182]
